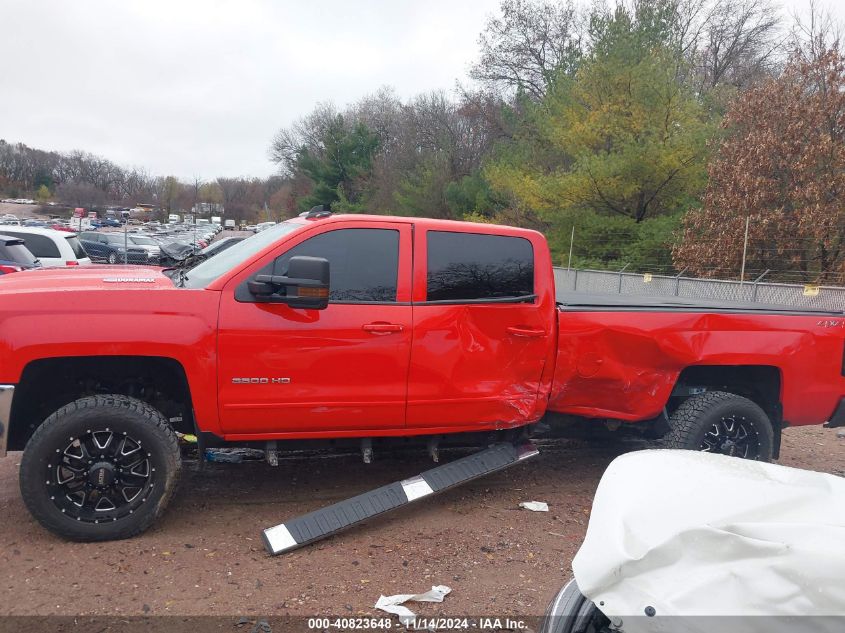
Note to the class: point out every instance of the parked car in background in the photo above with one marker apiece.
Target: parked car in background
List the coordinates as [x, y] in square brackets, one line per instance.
[58, 226]
[9, 216]
[147, 243]
[15, 256]
[31, 222]
[109, 247]
[51, 247]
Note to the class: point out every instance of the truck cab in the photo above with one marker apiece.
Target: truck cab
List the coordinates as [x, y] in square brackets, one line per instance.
[321, 327]
[433, 327]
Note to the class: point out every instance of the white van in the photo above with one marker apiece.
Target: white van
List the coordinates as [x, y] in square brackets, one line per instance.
[51, 247]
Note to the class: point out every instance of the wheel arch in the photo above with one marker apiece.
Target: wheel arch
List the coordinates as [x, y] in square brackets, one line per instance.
[762, 384]
[48, 384]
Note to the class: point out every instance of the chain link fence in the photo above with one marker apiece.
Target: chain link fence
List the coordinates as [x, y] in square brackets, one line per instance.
[646, 284]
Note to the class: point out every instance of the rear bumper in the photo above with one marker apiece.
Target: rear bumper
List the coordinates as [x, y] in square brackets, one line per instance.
[6, 393]
[838, 417]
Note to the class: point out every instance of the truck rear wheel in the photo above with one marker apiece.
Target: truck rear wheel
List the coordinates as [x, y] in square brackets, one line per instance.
[100, 468]
[721, 422]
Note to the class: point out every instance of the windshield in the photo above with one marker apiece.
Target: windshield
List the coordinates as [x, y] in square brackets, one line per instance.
[230, 258]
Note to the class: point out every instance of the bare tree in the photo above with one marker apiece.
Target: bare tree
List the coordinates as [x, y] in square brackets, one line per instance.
[815, 35]
[739, 43]
[305, 133]
[528, 45]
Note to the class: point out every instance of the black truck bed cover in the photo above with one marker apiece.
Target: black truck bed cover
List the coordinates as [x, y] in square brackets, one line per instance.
[587, 301]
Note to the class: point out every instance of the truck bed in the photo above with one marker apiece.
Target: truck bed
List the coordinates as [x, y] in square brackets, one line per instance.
[621, 356]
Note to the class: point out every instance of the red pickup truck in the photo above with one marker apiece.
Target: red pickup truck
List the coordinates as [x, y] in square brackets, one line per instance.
[371, 327]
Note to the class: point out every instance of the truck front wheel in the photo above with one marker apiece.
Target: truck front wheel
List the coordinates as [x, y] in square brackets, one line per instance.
[100, 468]
[721, 422]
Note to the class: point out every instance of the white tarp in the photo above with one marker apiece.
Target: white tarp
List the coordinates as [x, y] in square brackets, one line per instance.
[690, 533]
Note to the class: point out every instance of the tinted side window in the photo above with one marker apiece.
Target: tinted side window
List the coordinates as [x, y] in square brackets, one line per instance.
[364, 262]
[76, 247]
[464, 266]
[39, 245]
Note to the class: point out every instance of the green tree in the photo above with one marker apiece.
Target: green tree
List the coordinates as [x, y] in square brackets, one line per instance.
[43, 194]
[472, 195]
[339, 164]
[623, 137]
[421, 191]
[621, 142]
[602, 241]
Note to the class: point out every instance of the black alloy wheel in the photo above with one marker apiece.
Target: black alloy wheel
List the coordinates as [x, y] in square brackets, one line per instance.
[723, 423]
[100, 468]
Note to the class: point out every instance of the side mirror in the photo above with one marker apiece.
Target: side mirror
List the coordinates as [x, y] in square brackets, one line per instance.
[306, 284]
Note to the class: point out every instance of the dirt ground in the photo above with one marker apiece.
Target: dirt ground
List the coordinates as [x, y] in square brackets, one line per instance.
[205, 556]
[22, 211]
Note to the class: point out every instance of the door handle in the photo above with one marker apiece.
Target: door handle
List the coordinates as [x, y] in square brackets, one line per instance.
[382, 328]
[525, 332]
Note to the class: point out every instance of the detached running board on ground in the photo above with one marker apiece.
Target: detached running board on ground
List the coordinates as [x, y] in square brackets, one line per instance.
[334, 518]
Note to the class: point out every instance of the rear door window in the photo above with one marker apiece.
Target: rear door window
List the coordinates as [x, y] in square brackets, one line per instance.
[476, 267]
[16, 253]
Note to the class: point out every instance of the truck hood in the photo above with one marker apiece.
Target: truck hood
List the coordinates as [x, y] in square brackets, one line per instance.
[75, 278]
[90, 311]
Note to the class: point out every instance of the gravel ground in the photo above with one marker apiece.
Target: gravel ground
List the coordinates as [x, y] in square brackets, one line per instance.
[205, 556]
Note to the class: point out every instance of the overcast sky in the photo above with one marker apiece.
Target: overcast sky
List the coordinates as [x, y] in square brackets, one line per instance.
[198, 88]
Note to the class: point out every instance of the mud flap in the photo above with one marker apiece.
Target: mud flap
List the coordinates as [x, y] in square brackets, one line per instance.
[344, 514]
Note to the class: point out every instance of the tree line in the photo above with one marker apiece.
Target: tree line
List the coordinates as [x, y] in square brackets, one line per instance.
[651, 130]
[81, 179]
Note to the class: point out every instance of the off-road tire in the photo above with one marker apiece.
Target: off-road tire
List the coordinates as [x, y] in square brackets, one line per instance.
[123, 417]
[698, 419]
